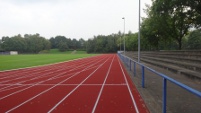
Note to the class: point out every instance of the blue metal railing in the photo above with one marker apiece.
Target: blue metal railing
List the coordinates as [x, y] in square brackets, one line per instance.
[128, 61]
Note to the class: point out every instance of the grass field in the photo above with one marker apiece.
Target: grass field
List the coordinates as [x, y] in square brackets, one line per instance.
[56, 51]
[8, 62]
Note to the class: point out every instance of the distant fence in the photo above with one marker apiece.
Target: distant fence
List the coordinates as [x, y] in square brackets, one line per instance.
[9, 53]
[4, 53]
[128, 61]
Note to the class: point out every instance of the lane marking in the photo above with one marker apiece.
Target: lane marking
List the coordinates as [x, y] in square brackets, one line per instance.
[75, 88]
[101, 90]
[25, 72]
[52, 78]
[49, 89]
[134, 103]
[48, 64]
[77, 68]
[22, 89]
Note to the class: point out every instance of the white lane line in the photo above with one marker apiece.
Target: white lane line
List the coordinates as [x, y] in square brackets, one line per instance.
[38, 66]
[38, 83]
[134, 103]
[68, 84]
[52, 78]
[25, 88]
[26, 80]
[20, 75]
[49, 74]
[26, 72]
[21, 82]
[75, 88]
[48, 89]
[101, 90]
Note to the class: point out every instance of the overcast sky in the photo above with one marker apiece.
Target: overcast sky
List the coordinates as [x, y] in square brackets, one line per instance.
[70, 18]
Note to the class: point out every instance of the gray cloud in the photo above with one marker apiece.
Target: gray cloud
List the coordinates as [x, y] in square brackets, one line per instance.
[71, 18]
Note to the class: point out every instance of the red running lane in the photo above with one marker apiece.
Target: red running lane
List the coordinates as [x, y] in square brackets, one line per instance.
[97, 84]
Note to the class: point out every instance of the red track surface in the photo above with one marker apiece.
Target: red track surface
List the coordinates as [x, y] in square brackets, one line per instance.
[97, 84]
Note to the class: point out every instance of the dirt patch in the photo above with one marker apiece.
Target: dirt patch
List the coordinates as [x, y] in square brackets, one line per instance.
[74, 52]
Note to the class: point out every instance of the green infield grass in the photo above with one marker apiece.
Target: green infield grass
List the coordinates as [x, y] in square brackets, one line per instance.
[56, 51]
[8, 62]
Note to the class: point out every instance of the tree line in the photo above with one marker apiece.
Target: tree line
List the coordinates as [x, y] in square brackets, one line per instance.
[36, 43]
[192, 41]
[99, 44]
[103, 44]
[27, 44]
[63, 44]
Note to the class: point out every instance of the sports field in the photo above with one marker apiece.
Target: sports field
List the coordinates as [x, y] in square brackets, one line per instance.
[8, 62]
[97, 84]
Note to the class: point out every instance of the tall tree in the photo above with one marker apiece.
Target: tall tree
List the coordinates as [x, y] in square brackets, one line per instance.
[1, 49]
[36, 43]
[62, 46]
[132, 42]
[180, 15]
[53, 44]
[59, 39]
[75, 44]
[194, 40]
[82, 43]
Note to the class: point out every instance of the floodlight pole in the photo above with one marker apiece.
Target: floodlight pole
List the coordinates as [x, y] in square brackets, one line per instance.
[139, 36]
[124, 34]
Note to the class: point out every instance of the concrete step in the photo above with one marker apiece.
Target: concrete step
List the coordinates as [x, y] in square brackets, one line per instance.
[180, 58]
[173, 68]
[188, 65]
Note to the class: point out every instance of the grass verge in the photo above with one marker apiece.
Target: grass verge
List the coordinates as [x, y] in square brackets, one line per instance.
[8, 62]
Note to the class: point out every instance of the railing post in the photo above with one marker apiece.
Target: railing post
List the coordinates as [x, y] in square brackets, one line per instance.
[142, 76]
[164, 94]
[130, 64]
[127, 62]
[134, 70]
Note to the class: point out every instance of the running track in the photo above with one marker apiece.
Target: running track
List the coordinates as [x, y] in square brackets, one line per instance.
[97, 84]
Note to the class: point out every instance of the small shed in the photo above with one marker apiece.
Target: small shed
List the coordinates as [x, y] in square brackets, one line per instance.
[13, 53]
